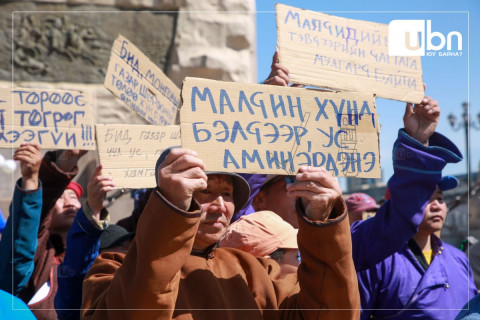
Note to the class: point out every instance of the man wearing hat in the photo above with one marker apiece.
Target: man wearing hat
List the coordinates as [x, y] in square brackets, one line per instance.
[44, 206]
[174, 270]
[428, 278]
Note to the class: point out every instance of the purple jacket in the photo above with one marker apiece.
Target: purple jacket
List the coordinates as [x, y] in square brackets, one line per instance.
[417, 172]
[400, 283]
[389, 275]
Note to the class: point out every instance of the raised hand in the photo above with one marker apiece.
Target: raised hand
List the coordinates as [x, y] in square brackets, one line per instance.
[67, 159]
[421, 120]
[97, 188]
[319, 192]
[180, 175]
[279, 74]
[30, 158]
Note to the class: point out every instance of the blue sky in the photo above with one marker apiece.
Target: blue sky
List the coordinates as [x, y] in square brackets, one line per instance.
[446, 77]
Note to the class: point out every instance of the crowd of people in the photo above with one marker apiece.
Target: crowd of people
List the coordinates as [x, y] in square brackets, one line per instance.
[219, 245]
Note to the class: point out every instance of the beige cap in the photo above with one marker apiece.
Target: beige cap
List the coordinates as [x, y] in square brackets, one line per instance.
[260, 234]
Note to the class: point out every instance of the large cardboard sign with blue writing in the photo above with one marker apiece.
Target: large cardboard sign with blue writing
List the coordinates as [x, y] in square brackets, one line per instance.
[55, 119]
[128, 153]
[254, 128]
[140, 84]
[344, 54]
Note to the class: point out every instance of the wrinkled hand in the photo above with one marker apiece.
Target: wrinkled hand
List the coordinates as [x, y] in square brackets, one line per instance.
[421, 120]
[319, 192]
[279, 75]
[180, 175]
[97, 189]
[30, 158]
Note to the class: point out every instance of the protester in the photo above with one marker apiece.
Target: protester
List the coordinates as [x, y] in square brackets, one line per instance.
[172, 265]
[419, 156]
[360, 204]
[59, 204]
[83, 243]
[265, 234]
[23, 221]
[427, 278]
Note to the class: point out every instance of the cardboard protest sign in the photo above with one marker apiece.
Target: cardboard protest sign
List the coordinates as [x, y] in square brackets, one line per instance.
[55, 119]
[253, 128]
[140, 84]
[344, 54]
[128, 153]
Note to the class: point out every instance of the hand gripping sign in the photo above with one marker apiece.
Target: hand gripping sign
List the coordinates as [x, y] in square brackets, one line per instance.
[255, 128]
[345, 54]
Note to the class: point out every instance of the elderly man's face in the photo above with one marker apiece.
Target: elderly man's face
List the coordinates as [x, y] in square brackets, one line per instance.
[218, 207]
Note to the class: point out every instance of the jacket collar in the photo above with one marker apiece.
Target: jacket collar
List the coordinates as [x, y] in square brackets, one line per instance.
[208, 253]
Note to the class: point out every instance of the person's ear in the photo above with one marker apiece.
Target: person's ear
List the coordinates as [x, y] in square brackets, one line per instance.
[259, 203]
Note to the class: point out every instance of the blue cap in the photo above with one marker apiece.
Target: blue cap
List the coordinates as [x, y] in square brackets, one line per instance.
[448, 183]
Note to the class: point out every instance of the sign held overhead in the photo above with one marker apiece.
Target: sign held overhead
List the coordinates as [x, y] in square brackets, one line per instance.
[253, 128]
[344, 54]
[55, 119]
[140, 84]
[129, 153]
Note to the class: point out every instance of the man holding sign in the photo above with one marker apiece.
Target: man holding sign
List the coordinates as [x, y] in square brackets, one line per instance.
[174, 271]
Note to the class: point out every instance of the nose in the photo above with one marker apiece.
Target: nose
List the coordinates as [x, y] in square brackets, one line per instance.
[70, 202]
[435, 205]
[218, 205]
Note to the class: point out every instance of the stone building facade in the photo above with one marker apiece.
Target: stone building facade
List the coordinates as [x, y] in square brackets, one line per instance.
[65, 44]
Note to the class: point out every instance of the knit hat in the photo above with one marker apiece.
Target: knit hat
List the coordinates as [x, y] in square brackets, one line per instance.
[76, 187]
[360, 202]
[113, 236]
[260, 234]
[241, 189]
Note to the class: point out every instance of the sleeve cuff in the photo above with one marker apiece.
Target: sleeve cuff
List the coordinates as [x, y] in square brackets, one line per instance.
[338, 213]
[18, 186]
[101, 224]
[194, 211]
[439, 145]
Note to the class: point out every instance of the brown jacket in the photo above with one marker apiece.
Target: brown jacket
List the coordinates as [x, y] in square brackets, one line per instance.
[159, 279]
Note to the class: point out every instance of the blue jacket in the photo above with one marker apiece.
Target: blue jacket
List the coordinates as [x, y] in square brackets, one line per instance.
[12, 307]
[402, 284]
[22, 228]
[471, 310]
[83, 243]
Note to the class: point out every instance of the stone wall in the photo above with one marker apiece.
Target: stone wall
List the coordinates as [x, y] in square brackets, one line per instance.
[66, 44]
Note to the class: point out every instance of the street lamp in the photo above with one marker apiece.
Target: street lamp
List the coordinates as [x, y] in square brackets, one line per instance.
[466, 125]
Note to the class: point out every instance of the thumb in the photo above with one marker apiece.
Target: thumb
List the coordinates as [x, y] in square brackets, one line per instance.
[275, 57]
[408, 111]
[97, 172]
